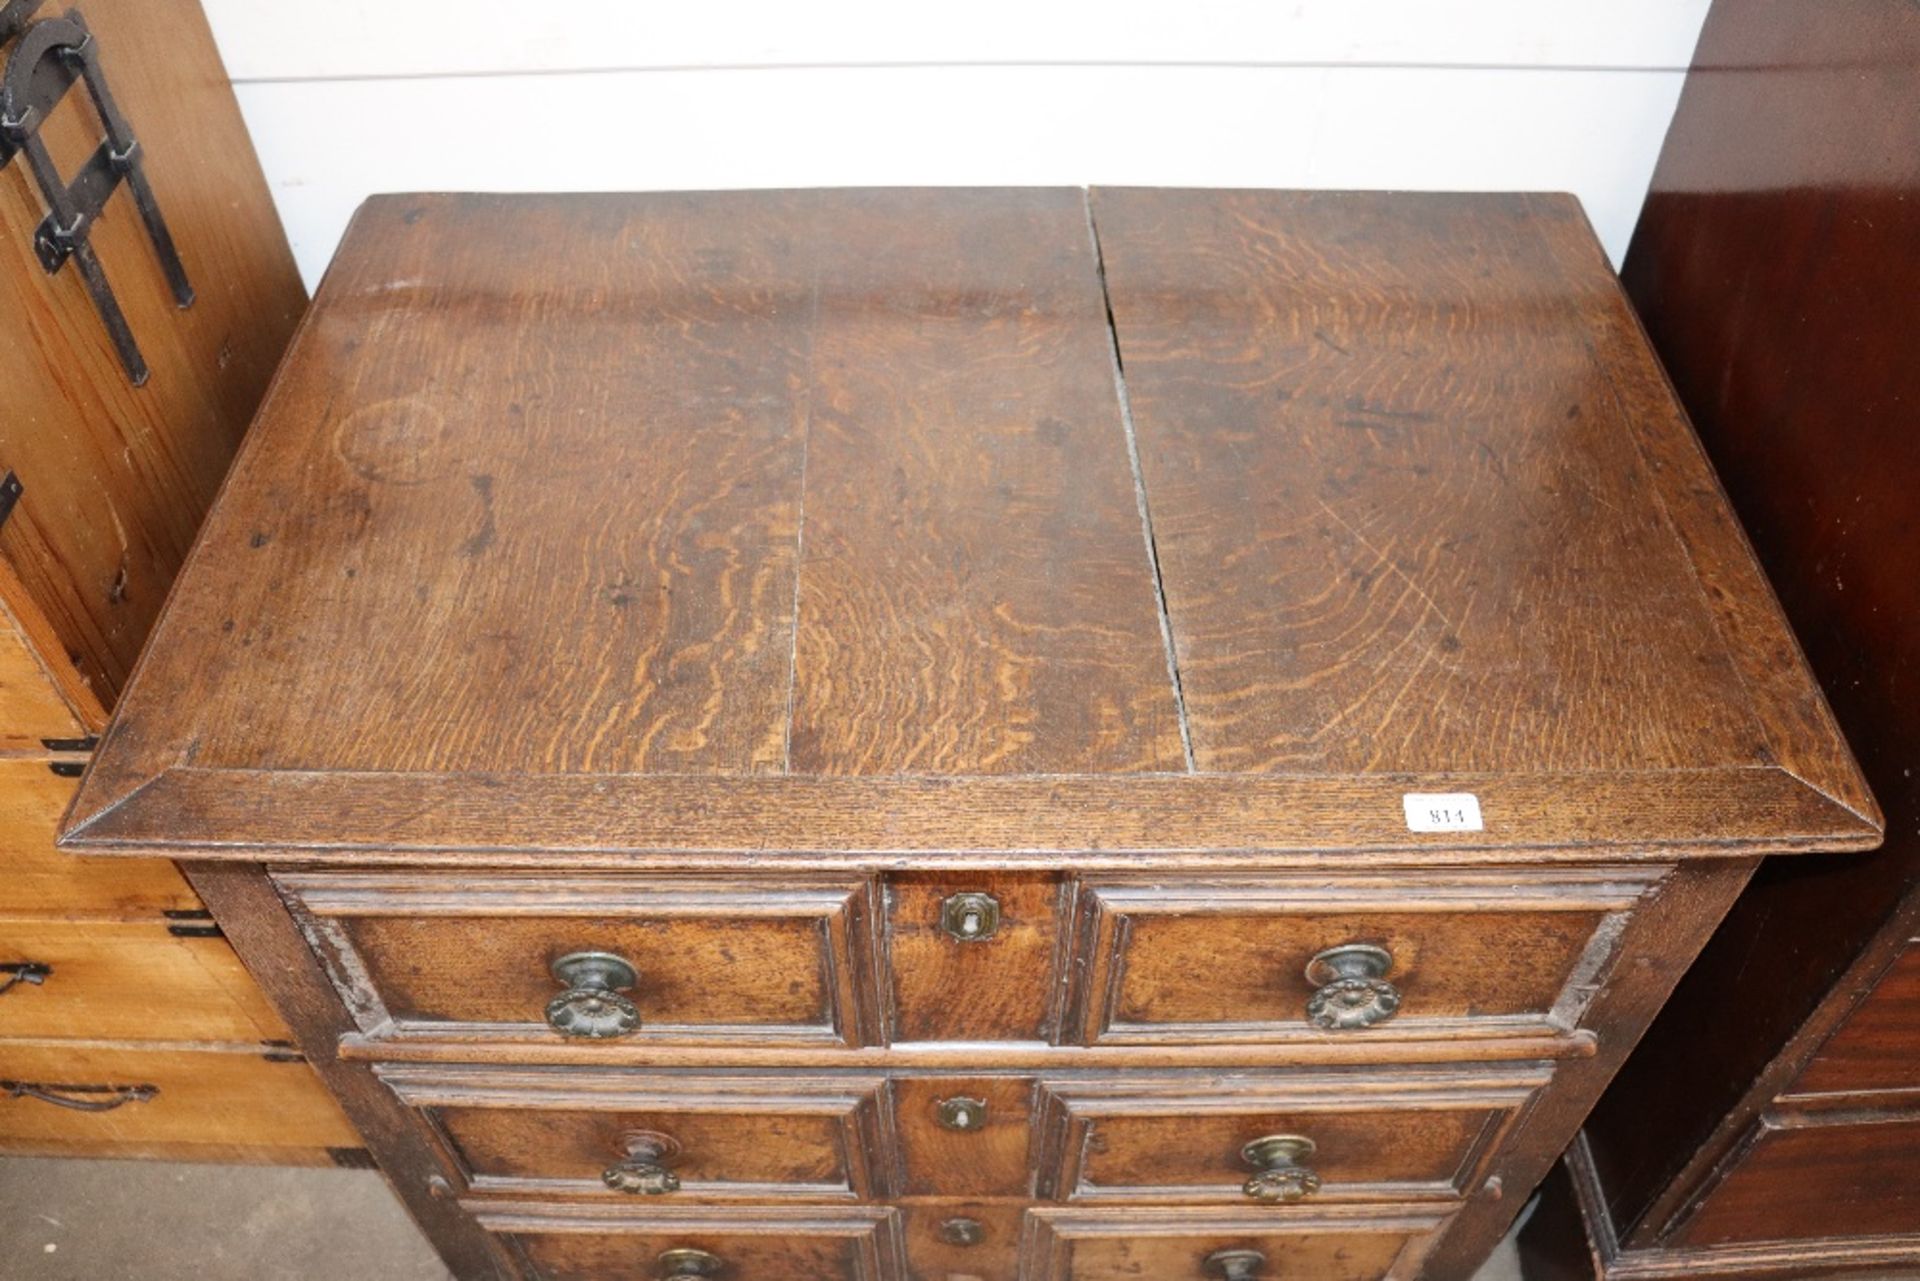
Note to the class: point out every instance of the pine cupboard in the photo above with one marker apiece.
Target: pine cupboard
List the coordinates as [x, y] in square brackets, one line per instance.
[128, 1026]
[976, 733]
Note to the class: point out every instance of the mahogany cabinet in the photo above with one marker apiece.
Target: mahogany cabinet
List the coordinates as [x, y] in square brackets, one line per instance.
[128, 1027]
[1769, 1126]
[970, 734]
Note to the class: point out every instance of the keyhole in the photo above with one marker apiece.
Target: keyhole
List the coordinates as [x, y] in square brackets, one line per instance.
[970, 924]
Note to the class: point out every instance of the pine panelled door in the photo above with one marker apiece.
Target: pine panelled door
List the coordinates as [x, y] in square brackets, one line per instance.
[972, 733]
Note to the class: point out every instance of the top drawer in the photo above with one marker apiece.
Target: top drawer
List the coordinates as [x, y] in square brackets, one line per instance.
[1277, 958]
[540, 958]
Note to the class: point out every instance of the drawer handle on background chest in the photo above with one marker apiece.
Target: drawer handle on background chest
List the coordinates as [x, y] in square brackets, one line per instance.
[1282, 1175]
[1352, 988]
[19, 972]
[689, 1263]
[643, 1172]
[95, 1098]
[592, 1006]
[1235, 1265]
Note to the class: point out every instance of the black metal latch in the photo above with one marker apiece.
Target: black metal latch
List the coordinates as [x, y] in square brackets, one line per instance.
[52, 54]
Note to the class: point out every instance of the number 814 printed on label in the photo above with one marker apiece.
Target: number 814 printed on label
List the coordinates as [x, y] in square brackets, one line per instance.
[1442, 811]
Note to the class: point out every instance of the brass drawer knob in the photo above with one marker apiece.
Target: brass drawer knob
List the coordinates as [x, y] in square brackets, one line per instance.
[1351, 987]
[592, 1006]
[689, 1263]
[1235, 1265]
[962, 1113]
[643, 1171]
[971, 917]
[1282, 1174]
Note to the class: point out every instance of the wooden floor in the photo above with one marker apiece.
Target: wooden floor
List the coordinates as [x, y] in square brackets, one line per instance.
[154, 1221]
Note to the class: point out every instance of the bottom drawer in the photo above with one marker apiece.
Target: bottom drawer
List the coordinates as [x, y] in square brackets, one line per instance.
[61, 1099]
[1810, 1176]
[574, 1243]
[1239, 1246]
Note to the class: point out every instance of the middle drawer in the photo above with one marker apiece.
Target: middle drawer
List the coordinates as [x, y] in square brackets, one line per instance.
[696, 1135]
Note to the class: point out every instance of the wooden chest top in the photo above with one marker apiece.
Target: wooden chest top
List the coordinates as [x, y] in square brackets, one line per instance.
[1133, 525]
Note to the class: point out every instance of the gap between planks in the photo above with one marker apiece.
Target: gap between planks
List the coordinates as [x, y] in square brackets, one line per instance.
[1139, 482]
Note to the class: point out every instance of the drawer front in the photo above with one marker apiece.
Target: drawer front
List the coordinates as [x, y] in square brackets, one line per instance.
[976, 956]
[1808, 1177]
[1140, 1244]
[1276, 1139]
[681, 960]
[677, 1137]
[561, 1243]
[1277, 958]
[1878, 1046]
[962, 1241]
[965, 1136]
[48, 884]
[207, 1105]
[111, 980]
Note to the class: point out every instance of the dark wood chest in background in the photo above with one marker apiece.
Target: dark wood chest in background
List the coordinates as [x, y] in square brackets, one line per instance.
[970, 734]
[1769, 1127]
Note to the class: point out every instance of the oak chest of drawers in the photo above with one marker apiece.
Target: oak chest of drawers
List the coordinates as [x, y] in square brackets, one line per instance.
[970, 734]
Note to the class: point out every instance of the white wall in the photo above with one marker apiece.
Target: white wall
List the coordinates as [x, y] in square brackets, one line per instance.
[350, 97]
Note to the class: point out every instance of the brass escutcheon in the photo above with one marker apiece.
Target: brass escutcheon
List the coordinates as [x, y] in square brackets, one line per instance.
[1235, 1265]
[971, 917]
[963, 1113]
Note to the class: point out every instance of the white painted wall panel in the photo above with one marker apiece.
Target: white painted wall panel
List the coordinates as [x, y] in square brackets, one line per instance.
[327, 144]
[302, 39]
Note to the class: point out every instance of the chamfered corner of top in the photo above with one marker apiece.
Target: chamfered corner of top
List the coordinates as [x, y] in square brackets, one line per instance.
[113, 787]
[1857, 822]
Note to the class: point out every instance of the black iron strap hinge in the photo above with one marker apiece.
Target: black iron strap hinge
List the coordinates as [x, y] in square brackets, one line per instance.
[51, 55]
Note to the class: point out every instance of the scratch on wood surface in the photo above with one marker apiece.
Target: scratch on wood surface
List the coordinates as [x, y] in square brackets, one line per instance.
[1387, 561]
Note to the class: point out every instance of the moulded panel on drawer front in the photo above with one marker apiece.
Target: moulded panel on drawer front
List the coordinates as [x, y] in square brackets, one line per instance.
[1402, 1136]
[569, 1243]
[680, 1136]
[770, 960]
[1445, 954]
[1873, 1048]
[1813, 1175]
[1273, 1244]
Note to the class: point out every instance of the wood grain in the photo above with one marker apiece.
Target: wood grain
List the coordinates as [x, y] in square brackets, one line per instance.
[727, 1137]
[881, 444]
[36, 708]
[1119, 1245]
[567, 1244]
[1801, 1177]
[42, 883]
[117, 477]
[716, 961]
[974, 595]
[1006, 988]
[114, 980]
[1873, 1048]
[230, 1104]
[1398, 515]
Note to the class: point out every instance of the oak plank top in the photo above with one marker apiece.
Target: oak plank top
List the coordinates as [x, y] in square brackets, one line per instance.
[986, 523]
